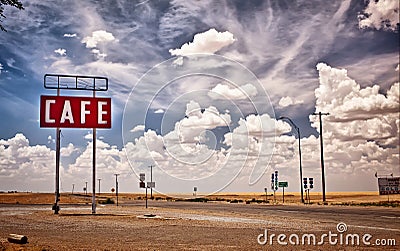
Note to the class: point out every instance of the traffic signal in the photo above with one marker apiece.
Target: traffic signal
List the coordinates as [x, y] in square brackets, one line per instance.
[272, 181]
[305, 183]
[311, 181]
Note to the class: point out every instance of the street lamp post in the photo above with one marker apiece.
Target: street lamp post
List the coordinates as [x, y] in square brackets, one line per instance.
[300, 165]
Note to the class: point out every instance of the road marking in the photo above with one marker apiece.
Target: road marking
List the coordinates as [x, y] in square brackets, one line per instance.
[390, 217]
[377, 228]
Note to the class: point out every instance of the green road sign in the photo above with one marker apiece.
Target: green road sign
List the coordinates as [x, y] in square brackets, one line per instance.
[283, 184]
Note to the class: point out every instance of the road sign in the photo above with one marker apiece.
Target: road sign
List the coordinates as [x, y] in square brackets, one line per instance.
[142, 184]
[151, 184]
[75, 112]
[142, 176]
[283, 184]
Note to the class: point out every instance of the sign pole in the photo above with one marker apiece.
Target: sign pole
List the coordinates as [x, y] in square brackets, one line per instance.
[56, 112]
[56, 207]
[283, 195]
[94, 166]
[146, 196]
[151, 180]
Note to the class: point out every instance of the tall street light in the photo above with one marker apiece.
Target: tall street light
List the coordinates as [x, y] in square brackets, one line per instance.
[322, 152]
[301, 168]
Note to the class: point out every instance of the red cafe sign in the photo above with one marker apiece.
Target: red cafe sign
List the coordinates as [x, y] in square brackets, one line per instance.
[75, 112]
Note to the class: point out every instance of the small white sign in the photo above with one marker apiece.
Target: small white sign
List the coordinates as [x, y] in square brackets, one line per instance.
[151, 184]
[142, 176]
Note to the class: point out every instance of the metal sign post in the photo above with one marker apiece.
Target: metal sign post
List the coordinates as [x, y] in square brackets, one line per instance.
[266, 194]
[283, 184]
[75, 112]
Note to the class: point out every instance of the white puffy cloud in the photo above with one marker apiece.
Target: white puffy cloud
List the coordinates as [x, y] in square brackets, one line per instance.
[197, 121]
[98, 36]
[346, 100]
[158, 111]
[363, 126]
[98, 54]
[32, 164]
[382, 14]
[288, 101]
[209, 41]
[221, 91]
[67, 151]
[69, 35]
[138, 128]
[61, 52]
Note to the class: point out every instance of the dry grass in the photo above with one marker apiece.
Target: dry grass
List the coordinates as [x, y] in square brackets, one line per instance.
[344, 198]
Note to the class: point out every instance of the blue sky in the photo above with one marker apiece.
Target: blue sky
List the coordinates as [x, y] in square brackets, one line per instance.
[206, 120]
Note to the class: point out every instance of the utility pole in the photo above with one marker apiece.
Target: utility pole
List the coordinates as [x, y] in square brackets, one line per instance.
[300, 164]
[85, 187]
[116, 186]
[322, 152]
[73, 187]
[99, 185]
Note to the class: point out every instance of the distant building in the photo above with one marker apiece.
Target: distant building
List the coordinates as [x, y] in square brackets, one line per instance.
[389, 185]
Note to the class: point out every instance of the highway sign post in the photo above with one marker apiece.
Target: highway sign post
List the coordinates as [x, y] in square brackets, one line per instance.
[283, 184]
[74, 112]
[142, 184]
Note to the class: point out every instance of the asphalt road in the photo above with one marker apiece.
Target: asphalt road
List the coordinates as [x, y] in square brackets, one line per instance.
[379, 218]
[193, 225]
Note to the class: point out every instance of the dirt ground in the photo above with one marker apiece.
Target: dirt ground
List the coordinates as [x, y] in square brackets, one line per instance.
[176, 225]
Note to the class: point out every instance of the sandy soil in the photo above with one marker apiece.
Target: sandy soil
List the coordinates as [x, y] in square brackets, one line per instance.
[174, 228]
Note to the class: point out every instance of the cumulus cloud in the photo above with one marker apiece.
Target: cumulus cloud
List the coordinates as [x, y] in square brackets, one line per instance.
[67, 151]
[70, 35]
[346, 100]
[88, 136]
[61, 52]
[382, 14]
[198, 120]
[209, 41]
[98, 36]
[363, 126]
[221, 91]
[33, 164]
[288, 101]
[98, 54]
[158, 111]
[138, 128]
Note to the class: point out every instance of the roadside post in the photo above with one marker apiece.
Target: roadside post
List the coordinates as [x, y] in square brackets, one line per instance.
[266, 194]
[142, 184]
[283, 184]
